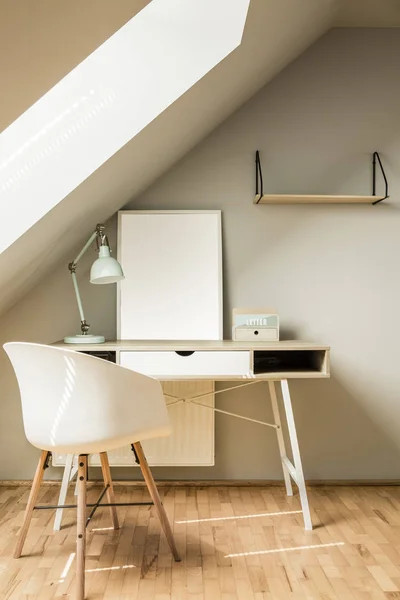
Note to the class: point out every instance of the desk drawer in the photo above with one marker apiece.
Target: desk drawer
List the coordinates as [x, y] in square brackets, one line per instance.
[200, 363]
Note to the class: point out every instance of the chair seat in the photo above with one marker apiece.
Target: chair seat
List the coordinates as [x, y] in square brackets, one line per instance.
[79, 404]
[95, 447]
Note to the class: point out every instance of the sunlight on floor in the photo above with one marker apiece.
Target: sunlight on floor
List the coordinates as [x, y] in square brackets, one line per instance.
[272, 514]
[67, 567]
[275, 550]
[110, 569]
[71, 560]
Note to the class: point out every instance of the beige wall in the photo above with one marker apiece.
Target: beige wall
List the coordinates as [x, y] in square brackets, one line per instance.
[332, 271]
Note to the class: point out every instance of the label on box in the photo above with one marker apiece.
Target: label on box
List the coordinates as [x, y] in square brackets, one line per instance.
[255, 320]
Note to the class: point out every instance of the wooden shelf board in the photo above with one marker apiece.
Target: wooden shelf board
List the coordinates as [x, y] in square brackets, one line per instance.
[314, 199]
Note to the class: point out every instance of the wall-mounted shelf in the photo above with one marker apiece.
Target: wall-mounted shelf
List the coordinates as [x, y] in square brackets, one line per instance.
[314, 199]
[261, 198]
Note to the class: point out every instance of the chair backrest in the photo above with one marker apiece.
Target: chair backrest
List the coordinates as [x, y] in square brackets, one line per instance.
[78, 403]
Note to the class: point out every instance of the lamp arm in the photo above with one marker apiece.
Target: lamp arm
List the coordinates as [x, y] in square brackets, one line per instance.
[85, 247]
[72, 267]
[78, 297]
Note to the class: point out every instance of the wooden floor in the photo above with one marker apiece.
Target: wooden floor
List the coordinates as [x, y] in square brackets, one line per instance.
[236, 544]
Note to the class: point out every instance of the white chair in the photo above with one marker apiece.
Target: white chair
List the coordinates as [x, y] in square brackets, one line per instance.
[73, 403]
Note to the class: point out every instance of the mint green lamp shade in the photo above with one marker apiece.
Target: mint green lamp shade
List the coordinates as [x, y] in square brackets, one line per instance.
[105, 269]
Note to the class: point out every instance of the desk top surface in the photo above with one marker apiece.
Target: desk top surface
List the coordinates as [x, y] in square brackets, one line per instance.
[191, 345]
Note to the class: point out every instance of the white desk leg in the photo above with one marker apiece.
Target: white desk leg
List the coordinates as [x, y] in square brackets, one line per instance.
[296, 471]
[281, 441]
[69, 473]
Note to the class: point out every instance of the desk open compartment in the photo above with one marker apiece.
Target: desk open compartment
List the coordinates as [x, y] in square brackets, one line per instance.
[290, 361]
[109, 355]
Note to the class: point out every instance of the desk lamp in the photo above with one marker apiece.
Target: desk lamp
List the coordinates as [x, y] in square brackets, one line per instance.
[105, 269]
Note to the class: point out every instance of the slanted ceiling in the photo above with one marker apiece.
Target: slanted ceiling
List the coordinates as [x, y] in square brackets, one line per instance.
[57, 36]
[43, 40]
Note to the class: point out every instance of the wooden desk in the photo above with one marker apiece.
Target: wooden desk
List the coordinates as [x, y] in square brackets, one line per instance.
[217, 360]
[229, 360]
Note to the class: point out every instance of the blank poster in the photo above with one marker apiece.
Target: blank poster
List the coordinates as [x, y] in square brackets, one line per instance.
[172, 261]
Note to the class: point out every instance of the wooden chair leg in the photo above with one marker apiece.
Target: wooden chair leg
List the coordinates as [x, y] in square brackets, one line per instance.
[37, 480]
[151, 486]
[105, 467]
[81, 528]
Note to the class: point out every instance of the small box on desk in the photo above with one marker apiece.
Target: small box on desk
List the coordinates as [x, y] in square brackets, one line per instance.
[253, 324]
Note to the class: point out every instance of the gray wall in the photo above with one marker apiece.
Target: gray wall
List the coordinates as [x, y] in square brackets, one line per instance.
[331, 271]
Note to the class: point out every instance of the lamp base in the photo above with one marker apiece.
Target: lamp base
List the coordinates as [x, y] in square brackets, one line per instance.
[84, 339]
